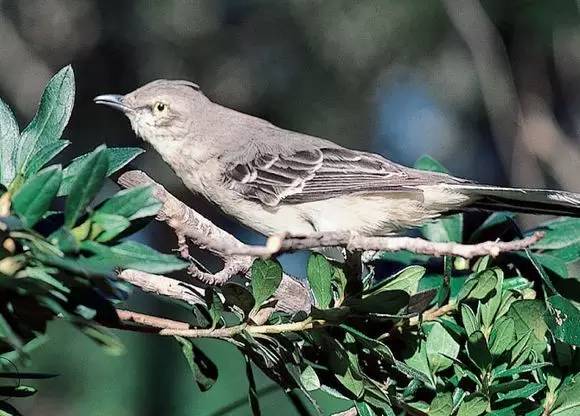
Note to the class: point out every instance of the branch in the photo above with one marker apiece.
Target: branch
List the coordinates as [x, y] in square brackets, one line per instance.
[291, 295]
[163, 286]
[169, 327]
[281, 243]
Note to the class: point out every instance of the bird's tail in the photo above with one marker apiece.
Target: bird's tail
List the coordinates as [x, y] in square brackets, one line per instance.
[534, 201]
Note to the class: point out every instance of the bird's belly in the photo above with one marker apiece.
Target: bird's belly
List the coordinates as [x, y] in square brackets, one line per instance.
[378, 215]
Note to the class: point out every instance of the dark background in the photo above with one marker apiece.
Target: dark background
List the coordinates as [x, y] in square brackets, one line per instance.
[488, 88]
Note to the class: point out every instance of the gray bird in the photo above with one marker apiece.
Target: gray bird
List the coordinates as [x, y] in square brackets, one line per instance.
[275, 180]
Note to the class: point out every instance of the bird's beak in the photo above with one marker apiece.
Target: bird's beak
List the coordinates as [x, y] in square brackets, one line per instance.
[113, 100]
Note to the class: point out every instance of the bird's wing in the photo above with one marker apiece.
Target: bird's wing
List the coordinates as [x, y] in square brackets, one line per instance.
[322, 173]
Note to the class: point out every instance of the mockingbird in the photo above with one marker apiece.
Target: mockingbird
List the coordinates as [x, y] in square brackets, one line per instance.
[275, 180]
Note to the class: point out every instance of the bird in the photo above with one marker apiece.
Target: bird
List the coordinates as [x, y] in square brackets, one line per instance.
[277, 181]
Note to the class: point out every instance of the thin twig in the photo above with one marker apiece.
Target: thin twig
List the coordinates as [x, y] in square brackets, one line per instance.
[281, 243]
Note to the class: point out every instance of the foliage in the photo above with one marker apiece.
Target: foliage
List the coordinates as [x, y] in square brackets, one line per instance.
[58, 263]
[404, 334]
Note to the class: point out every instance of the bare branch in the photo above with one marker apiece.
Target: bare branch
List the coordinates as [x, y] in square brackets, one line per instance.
[164, 286]
[187, 223]
[291, 296]
[280, 243]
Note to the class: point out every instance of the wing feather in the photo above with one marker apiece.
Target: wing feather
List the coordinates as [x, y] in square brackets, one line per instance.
[321, 173]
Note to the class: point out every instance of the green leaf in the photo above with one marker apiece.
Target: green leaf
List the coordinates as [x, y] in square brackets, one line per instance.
[363, 409]
[320, 273]
[470, 322]
[204, 370]
[442, 405]
[559, 233]
[529, 315]
[266, 277]
[502, 336]
[510, 372]
[553, 263]
[51, 118]
[479, 285]
[406, 279]
[440, 346]
[102, 336]
[420, 363]
[478, 351]
[9, 134]
[563, 320]
[390, 302]
[118, 157]
[132, 203]
[133, 255]
[17, 391]
[33, 199]
[449, 228]
[524, 392]
[109, 226]
[43, 156]
[252, 391]
[473, 405]
[426, 162]
[345, 365]
[86, 185]
[239, 297]
[309, 379]
[494, 225]
[567, 401]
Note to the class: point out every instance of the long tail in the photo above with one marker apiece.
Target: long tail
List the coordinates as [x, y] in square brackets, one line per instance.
[534, 201]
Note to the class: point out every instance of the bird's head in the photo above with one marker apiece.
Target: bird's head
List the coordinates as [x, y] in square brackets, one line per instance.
[160, 111]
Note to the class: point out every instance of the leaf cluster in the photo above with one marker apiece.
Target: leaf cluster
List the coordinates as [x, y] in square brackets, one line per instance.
[57, 263]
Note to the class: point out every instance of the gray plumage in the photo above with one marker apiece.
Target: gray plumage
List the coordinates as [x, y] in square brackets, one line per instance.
[275, 180]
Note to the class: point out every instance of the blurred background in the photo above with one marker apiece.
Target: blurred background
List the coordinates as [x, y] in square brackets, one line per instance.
[489, 88]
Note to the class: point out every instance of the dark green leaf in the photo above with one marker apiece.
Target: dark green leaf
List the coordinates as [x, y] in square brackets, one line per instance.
[473, 405]
[568, 399]
[51, 118]
[559, 233]
[440, 346]
[386, 303]
[33, 199]
[17, 391]
[478, 351]
[132, 203]
[529, 315]
[553, 263]
[102, 336]
[442, 405]
[364, 409]
[252, 392]
[526, 392]
[117, 156]
[496, 224]
[130, 254]
[470, 322]
[407, 280]
[8, 139]
[563, 320]
[266, 277]
[320, 274]
[238, 296]
[86, 185]
[502, 336]
[109, 226]
[204, 370]
[509, 372]
[43, 156]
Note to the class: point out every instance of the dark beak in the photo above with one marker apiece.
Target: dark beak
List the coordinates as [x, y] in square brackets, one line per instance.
[113, 100]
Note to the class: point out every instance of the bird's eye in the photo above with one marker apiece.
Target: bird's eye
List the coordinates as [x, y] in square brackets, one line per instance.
[160, 107]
